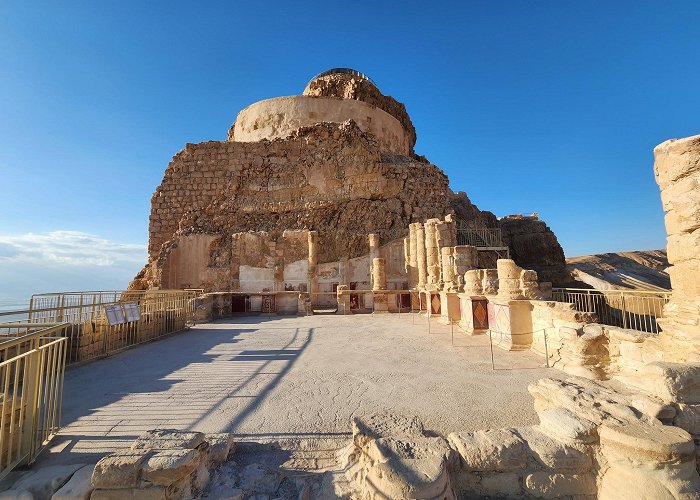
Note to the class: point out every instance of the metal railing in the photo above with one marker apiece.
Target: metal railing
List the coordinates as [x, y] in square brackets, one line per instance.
[632, 309]
[31, 381]
[490, 238]
[90, 331]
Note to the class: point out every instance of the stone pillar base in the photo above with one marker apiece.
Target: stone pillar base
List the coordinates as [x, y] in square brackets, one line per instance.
[510, 322]
[449, 308]
[381, 303]
[474, 315]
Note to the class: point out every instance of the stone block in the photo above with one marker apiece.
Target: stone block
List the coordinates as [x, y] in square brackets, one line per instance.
[152, 493]
[501, 484]
[553, 454]
[672, 382]
[490, 450]
[560, 423]
[415, 468]
[548, 485]
[687, 417]
[167, 439]
[119, 470]
[165, 467]
[646, 444]
[220, 446]
[78, 487]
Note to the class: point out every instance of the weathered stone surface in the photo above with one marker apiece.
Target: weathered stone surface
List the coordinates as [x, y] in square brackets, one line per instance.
[367, 427]
[687, 417]
[584, 398]
[501, 484]
[167, 439]
[564, 425]
[165, 467]
[553, 454]
[672, 382]
[220, 446]
[152, 493]
[40, 483]
[638, 443]
[416, 468]
[554, 485]
[119, 470]
[490, 450]
[78, 487]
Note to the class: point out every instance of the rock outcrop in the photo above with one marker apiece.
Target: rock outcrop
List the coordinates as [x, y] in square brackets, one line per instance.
[534, 246]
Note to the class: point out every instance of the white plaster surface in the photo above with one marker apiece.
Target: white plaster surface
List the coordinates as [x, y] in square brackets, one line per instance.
[279, 377]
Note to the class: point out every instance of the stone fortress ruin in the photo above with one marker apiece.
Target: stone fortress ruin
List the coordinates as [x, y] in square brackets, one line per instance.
[318, 204]
[288, 201]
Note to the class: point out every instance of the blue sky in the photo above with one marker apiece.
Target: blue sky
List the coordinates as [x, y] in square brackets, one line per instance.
[551, 107]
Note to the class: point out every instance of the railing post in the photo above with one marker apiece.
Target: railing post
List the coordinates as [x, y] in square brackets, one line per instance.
[30, 390]
[622, 309]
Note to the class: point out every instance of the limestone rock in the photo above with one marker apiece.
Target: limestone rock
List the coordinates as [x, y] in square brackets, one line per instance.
[554, 454]
[416, 468]
[672, 382]
[165, 467]
[547, 485]
[78, 487]
[168, 439]
[562, 424]
[220, 446]
[490, 450]
[368, 427]
[119, 470]
[41, 483]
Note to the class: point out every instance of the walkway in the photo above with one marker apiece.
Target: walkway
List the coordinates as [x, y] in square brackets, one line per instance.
[273, 378]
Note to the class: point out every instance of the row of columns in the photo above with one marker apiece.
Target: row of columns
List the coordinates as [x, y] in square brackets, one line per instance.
[434, 261]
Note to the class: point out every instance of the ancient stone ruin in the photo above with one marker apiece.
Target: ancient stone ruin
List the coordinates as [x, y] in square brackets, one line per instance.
[318, 203]
[287, 202]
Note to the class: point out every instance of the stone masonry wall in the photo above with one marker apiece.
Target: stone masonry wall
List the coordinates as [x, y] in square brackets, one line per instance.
[330, 178]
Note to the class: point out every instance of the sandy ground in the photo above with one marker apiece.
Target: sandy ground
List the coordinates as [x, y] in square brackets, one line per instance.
[271, 378]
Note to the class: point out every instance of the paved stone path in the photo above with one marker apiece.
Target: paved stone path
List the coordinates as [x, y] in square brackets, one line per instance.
[270, 378]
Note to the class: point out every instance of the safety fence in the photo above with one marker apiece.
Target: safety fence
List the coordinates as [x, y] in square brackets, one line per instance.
[632, 309]
[96, 324]
[31, 381]
[479, 237]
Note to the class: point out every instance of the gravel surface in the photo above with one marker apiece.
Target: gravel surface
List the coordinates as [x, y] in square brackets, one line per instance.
[271, 378]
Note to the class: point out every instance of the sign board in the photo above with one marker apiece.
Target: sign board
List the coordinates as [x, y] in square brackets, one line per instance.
[132, 312]
[115, 314]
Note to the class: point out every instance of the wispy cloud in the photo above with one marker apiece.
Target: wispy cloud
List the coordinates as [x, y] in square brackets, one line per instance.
[70, 248]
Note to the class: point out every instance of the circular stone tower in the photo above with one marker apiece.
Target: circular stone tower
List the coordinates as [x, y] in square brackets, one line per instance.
[334, 96]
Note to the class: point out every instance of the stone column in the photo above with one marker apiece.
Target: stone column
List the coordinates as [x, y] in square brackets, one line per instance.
[381, 299]
[678, 176]
[509, 279]
[432, 253]
[512, 316]
[378, 274]
[313, 262]
[373, 246]
[448, 269]
[412, 257]
[421, 258]
[473, 304]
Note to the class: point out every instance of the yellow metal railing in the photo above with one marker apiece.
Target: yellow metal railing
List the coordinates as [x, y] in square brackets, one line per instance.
[96, 324]
[31, 385]
[633, 309]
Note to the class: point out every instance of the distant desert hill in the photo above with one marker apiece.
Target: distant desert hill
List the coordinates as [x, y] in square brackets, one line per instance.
[624, 270]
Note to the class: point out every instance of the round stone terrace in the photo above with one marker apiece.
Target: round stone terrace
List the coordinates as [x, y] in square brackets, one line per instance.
[276, 378]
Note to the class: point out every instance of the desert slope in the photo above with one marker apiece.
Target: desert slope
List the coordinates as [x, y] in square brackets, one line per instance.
[645, 270]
